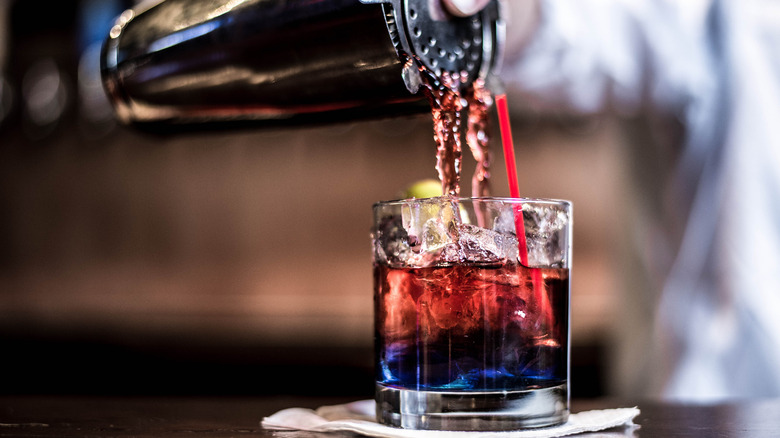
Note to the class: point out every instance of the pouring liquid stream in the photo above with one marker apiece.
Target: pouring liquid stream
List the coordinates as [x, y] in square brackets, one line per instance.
[449, 105]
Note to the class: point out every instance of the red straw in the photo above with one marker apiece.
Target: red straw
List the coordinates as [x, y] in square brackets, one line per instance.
[514, 191]
[511, 172]
[509, 146]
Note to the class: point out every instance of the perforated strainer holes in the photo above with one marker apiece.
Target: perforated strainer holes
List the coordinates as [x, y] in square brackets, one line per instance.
[444, 44]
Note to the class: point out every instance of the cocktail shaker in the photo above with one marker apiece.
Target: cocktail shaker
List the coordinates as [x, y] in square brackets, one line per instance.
[259, 62]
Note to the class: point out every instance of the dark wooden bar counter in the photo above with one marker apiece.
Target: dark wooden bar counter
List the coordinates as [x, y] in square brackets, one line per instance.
[39, 416]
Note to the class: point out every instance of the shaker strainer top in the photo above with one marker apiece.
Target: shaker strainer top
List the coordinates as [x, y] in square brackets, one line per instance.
[464, 46]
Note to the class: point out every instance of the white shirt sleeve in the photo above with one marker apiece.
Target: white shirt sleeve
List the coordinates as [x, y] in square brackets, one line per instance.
[612, 55]
[715, 65]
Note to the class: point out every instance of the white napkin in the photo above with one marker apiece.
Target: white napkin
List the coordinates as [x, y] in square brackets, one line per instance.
[358, 417]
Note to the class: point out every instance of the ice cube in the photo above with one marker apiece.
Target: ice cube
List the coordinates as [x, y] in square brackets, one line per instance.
[431, 222]
[543, 218]
[433, 225]
[480, 245]
[504, 222]
[391, 242]
[449, 304]
[546, 237]
[412, 220]
[435, 235]
[510, 247]
[416, 213]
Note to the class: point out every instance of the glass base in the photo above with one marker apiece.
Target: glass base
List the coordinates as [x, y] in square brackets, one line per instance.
[500, 410]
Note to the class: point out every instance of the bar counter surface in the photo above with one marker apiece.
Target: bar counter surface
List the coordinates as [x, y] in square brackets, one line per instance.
[39, 416]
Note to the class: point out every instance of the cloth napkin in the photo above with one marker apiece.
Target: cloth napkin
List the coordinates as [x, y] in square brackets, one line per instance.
[358, 417]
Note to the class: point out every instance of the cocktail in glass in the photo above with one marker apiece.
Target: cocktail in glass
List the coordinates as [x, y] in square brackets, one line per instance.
[472, 323]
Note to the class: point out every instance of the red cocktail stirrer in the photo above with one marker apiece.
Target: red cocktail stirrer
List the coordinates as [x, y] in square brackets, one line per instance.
[514, 192]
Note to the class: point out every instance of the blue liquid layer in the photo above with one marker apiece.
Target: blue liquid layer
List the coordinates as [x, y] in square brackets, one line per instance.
[439, 368]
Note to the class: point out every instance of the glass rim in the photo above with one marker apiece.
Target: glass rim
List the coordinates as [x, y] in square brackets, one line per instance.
[505, 200]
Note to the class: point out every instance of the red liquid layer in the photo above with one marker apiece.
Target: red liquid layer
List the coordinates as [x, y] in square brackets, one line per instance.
[473, 328]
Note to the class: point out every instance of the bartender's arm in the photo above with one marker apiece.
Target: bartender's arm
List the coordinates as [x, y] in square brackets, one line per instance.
[592, 56]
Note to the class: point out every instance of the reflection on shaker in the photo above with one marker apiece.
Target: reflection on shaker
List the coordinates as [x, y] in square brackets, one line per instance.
[6, 99]
[45, 96]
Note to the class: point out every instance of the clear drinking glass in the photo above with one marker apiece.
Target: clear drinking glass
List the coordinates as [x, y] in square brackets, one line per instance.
[472, 322]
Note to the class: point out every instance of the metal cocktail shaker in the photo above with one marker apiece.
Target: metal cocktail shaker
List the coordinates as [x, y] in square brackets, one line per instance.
[207, 62]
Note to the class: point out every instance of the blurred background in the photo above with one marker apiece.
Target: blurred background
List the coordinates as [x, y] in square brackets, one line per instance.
[233, 262]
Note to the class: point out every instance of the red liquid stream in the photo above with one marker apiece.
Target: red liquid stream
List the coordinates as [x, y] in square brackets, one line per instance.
[447, 108]
[478, 136]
